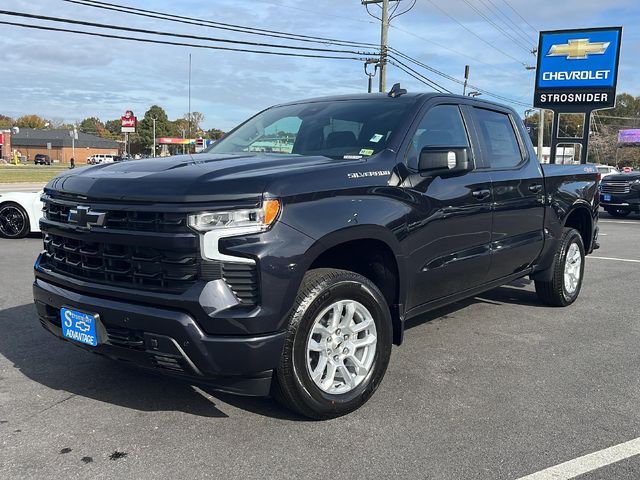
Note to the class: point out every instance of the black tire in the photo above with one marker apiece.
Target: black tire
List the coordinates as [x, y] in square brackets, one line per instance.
[614, 212]
[293, 385]
[554, 291]
[14, 221]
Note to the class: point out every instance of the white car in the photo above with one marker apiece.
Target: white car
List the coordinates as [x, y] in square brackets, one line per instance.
[20, 214]
[605, 170]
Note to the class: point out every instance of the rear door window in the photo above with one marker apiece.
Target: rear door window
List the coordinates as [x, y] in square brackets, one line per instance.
[498, 138]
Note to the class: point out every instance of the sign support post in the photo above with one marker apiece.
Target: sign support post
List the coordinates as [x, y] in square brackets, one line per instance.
[577, 72]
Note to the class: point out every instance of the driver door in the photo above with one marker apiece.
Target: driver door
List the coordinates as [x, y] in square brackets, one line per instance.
[450, 227]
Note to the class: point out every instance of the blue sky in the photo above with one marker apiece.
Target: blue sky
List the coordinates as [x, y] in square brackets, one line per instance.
[68, 77]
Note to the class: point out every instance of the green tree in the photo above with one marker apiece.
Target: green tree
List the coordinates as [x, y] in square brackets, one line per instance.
[145, 126]
[6, 122]
[92, 126]
[112, 129]
[215, 134]
[31, 121]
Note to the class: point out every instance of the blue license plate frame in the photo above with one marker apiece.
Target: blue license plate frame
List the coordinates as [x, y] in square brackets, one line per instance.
[79, 326]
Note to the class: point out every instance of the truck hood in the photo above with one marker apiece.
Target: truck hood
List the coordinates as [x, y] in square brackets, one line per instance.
[622, 177]
[185, 178]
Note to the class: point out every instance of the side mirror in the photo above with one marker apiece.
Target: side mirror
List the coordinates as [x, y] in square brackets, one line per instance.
[444, 159]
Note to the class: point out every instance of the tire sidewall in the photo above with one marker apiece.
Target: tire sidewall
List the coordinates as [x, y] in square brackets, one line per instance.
[375, 303]
[572, 237]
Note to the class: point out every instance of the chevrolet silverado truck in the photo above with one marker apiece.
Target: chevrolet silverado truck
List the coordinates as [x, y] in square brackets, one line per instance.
[620, 194]
[287, 258]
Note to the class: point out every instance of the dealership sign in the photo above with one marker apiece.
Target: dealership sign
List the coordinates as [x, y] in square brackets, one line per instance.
[577, 69]
[631, 135]
[128, 122]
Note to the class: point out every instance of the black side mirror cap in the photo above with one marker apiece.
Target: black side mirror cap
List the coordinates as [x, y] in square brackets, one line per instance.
[444, 159]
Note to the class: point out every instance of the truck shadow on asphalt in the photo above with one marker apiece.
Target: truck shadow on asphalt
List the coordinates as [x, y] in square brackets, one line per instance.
[58, 365]
[513, 293]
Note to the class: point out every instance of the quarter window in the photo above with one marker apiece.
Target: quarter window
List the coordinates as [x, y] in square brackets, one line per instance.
[499, 141]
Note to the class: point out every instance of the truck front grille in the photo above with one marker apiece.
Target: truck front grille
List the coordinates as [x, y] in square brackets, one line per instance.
[125, 265]
[615, 187]
[135, 248]
[141, 221]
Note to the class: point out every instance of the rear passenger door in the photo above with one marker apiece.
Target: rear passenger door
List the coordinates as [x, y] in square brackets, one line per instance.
[518, 192]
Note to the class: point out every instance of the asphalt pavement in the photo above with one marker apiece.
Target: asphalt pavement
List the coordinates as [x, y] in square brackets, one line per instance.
[495, 387]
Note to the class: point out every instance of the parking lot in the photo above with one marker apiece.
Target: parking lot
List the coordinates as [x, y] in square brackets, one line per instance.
[496, 387]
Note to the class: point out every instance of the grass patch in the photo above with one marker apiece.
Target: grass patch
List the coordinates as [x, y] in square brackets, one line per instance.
[29, 173]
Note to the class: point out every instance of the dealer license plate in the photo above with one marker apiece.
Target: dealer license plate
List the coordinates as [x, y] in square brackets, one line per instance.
[79, 326]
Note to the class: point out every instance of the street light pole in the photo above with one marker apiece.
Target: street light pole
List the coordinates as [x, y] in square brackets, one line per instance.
[154, 136]
[540, 134]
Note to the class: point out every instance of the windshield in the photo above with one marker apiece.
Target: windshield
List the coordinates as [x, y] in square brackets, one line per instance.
[337, 129]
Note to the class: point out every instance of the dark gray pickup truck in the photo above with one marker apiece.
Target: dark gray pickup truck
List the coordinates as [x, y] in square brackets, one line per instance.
[288, 257]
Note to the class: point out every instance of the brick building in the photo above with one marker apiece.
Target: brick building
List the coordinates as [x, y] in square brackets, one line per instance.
[31, 142]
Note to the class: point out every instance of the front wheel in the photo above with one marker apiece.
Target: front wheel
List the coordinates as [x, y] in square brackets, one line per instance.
[615, 212]
[337, 347]
[14, 221]
[567, 272]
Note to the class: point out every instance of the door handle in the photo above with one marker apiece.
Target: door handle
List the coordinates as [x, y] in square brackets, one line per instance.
[481, 194]
[535, 188]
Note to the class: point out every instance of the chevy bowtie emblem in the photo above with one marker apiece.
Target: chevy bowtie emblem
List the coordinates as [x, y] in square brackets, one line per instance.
[578, 49]
[84, 217]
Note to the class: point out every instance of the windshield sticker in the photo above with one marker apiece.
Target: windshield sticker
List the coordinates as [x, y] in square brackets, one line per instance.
[366, 151]
[376, 138]
[377, 173]
[352, 157]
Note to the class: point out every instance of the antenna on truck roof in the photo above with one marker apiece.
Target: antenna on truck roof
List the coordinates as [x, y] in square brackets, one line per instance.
[396, 91]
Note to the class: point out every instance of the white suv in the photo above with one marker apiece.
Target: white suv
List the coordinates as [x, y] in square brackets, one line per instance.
[101, 158]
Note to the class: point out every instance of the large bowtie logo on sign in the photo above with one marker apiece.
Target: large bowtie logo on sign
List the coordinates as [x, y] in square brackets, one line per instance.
[578, 49]
[86, 218]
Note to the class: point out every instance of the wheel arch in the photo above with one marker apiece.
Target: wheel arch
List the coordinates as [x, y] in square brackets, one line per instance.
[580, 218]
[371, 251]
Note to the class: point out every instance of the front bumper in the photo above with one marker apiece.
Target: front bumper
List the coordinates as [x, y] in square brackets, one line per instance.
[621, 201]
[167, 341]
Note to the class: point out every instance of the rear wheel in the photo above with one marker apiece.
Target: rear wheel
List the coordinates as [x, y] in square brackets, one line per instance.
[567, 272]
[615, 212]
[14, 221]
[338, 345]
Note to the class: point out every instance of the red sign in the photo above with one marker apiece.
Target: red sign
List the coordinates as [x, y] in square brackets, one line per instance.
[128, 122]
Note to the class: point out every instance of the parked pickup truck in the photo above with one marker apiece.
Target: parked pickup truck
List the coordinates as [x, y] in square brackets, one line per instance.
[293, 272]
[620, 194]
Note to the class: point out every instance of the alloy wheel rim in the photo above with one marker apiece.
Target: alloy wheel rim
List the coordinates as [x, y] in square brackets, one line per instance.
[341, 347]
[12, 221]
[572, 269]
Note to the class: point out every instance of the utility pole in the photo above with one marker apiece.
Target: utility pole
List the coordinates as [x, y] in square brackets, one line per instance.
[384, 43]
[384, 39]
[466, 79]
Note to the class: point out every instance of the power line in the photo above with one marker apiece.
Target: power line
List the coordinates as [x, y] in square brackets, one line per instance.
[316, 12]
[517, 42]
[457, 80]
[212, 24]
[444, 12]
[504, 18]
[177, 35]
[179, 44]
[420, 78]
[506, 2]
[434, 83]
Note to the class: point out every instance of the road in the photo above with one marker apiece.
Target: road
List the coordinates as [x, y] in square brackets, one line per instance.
[496, 387]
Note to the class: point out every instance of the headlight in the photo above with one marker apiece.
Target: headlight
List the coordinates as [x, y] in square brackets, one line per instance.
[260, 218]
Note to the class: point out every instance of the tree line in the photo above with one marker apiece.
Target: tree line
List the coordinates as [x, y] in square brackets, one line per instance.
[187, 126]
[605, 125]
